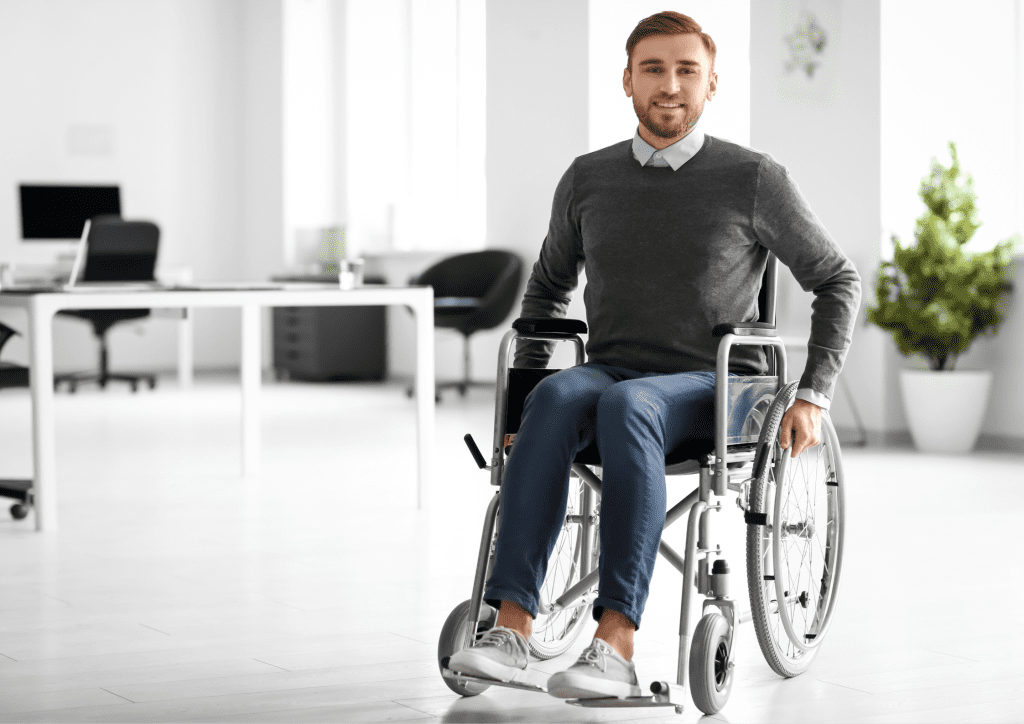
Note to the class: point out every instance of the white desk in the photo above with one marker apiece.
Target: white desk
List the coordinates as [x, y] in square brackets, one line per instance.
[41, 307]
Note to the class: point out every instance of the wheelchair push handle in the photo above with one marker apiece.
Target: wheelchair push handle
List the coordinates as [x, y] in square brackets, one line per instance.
[475, 451]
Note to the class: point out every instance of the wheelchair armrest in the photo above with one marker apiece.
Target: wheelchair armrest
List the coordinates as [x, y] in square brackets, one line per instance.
[745, 329]
[549, 327]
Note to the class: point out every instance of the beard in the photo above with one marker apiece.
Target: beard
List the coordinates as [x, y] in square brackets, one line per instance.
[672, 129]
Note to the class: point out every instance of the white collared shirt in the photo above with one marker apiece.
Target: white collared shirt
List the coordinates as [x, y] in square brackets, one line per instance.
[675, 155]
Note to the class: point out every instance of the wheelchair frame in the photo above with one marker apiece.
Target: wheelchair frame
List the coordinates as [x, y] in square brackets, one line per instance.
[717, 471]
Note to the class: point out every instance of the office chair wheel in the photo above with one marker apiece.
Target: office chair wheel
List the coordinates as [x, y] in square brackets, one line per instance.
[554, 633]
[453, 639]
[794, 557]
[711, 668]
[409, 392]
[19, 511]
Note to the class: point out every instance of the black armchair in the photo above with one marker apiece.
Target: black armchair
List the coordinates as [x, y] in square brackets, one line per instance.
[472, 292]
[13, 375]
[117, 251]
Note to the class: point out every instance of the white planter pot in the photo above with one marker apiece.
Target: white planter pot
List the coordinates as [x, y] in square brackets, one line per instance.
[945, 409]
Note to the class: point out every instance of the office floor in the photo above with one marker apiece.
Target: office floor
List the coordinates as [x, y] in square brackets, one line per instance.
[177, 591]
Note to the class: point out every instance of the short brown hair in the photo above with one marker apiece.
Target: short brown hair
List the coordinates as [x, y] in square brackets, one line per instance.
[668, 23]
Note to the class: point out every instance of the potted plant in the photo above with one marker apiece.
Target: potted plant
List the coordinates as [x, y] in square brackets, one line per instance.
[936, 298]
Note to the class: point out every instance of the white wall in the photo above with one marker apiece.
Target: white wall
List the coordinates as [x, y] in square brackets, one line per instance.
[162, 78]
[309, 138]
[973, 97]
[537, 124]
[830, 141]
[262, 174]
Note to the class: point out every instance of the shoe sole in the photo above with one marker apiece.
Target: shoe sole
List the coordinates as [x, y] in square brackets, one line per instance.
[571, 685]
[475, 664]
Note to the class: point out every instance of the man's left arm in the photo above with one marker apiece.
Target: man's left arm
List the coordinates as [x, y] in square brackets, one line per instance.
[786, 225]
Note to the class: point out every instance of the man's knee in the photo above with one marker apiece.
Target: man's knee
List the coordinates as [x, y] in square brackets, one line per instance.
[629, 405]
[562, 391]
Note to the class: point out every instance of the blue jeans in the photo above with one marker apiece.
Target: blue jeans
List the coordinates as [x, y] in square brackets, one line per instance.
[635, 417]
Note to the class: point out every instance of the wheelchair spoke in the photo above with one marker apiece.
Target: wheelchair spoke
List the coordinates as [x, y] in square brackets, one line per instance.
[794, 556]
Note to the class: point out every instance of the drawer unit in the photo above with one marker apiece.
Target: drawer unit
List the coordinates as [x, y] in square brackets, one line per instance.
[330, 343]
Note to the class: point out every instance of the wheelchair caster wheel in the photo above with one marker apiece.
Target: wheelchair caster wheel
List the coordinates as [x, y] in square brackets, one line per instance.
[453, 639]
[710, 666]
[19, 511]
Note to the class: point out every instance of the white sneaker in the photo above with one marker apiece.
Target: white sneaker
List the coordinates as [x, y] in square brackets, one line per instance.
[500, 654]
[598, 673]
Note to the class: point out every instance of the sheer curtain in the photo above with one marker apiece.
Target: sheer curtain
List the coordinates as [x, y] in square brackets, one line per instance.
[415, 118]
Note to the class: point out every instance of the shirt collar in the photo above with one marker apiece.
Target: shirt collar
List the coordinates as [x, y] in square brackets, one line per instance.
[676, 155]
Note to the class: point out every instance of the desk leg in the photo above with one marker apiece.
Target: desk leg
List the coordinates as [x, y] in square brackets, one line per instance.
[424, 398]
[44, 446]
[185, 338]
[251, 365]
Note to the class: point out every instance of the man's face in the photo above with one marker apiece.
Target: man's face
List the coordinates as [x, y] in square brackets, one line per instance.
[669, 80]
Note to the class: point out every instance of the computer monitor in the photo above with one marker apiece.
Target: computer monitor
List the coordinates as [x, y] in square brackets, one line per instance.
[52, 212]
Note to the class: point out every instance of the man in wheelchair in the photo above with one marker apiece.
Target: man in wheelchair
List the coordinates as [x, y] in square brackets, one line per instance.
[673, 229]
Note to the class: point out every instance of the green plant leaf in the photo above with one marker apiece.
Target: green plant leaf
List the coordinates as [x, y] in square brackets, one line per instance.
[934, 297]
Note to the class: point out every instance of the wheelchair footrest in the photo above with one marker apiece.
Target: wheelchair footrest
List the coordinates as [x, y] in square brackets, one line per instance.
[665, 694]
[529, 680]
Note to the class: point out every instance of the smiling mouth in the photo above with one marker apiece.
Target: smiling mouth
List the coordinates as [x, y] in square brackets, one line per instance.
[669, 106]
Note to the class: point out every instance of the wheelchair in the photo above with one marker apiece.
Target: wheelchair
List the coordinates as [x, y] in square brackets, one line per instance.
[793, 511]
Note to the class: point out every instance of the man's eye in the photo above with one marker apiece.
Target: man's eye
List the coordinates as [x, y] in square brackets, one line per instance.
[654, 70]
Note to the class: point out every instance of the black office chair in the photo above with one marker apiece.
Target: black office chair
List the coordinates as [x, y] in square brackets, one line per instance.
[116, 251]
[472, 292]
[12, 375]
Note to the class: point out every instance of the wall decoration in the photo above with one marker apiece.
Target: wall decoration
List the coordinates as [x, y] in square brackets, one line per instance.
[808, 48]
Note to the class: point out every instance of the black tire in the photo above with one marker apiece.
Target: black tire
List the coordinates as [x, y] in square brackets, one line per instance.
[19, 511]
[554, 634]
[453, 639]
[711, 674]
[810, 490]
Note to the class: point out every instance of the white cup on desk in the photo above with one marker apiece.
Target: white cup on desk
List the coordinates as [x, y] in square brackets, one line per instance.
[350, 273]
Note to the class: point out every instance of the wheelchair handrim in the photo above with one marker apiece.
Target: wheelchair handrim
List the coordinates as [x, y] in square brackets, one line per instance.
[833, 553]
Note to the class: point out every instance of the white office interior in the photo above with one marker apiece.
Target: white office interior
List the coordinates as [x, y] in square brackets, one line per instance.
[422, 129]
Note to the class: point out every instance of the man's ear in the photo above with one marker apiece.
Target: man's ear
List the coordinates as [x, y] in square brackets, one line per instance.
[627, 83]
[712, 86]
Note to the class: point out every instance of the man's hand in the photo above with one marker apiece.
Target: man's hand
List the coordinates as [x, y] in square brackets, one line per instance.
[801, 426]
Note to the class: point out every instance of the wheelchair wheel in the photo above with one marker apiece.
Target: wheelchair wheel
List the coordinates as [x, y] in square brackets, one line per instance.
[710, 667]
[554, 633]
[794, 554]
[453, 639]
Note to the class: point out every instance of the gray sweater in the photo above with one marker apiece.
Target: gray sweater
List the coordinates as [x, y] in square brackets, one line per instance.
[670, 254]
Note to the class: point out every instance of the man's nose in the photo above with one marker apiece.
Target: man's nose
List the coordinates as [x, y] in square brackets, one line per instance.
[672, 84]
